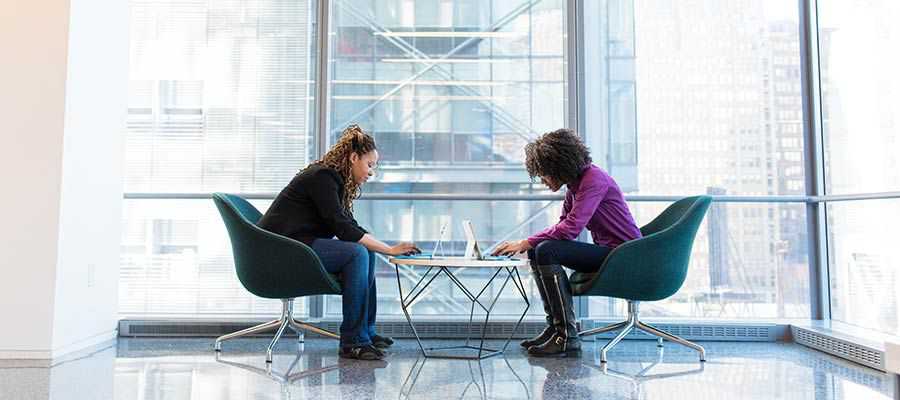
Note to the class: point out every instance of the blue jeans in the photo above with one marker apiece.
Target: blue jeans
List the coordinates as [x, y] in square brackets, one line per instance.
[356, 266]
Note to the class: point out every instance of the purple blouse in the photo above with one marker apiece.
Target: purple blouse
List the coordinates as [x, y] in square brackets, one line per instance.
[594, 202]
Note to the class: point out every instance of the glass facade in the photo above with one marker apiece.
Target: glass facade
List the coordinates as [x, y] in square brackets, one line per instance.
[451, 91]
[719, 112]
[220, 99]
[674, 98]
[734, 273]
[859, 91]
[864, 263]
[861, 141]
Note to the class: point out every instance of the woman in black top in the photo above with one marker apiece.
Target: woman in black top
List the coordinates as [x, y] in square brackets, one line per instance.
[316, 207]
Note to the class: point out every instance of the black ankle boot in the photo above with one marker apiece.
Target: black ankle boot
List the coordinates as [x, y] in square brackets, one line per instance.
[540, 339]
[548, 331]
[564, 341]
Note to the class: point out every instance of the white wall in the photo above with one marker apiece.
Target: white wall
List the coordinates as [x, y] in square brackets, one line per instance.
[33, 43]
[63, 99]
[91, 192]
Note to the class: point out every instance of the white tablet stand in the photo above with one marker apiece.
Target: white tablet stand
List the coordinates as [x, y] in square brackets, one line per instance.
[472, 250]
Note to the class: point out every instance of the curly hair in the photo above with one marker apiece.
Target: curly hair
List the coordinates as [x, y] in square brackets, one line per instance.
[352, 140]
[560, 155]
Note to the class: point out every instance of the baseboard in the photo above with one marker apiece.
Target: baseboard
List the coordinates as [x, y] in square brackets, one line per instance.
[25, 358]
[84, 347]
[49, 358]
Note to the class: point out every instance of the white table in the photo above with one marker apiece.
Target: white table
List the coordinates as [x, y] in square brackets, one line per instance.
[434, 267]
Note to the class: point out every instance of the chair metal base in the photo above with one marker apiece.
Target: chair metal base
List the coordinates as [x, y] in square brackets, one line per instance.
[633, 322]
[279, 325]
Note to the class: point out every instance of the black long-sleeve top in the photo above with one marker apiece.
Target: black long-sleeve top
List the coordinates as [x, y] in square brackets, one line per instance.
[310, 207]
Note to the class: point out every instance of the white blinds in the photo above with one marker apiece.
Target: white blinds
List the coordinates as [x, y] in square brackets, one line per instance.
[220, 99]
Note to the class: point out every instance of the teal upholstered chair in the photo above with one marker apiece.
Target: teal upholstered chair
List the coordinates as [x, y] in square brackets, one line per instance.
[274, 267]
[651, 268]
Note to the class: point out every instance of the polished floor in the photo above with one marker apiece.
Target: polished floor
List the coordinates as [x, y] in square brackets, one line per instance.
[164, 369]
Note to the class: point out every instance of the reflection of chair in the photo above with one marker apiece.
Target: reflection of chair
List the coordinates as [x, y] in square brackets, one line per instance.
[651, 268]
[274, 267]
[285, 379]
[641, 376]
[477, 380]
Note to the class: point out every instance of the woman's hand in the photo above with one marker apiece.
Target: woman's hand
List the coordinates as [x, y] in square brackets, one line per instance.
[512, 248]
[404, 248]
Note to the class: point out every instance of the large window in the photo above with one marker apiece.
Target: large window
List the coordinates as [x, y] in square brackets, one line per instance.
[176, 262]
[860, 111]
[864, 263]
[737, 270]
[452, 91]
[220, 99]
[719, 112]
[859, 88]
[674, 98]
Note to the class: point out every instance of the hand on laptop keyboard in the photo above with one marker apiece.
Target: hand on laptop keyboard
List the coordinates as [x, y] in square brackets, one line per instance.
[511, 248]
[404, 248]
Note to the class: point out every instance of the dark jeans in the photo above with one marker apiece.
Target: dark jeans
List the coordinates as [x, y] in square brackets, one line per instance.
[356, 266]
[580, 256]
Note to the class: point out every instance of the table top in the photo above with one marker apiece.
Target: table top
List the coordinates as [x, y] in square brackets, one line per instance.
[459, 262]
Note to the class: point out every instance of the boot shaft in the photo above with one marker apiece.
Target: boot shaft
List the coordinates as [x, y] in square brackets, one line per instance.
[558, 292]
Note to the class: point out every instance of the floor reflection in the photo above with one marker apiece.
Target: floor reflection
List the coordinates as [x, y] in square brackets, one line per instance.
[286, 378]
[643, 372]
[174, 369]
[474, 381]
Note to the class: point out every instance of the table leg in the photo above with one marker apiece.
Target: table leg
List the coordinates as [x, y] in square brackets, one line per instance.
[407, 300]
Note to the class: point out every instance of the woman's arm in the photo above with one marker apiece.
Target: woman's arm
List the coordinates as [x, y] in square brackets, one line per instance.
[378, 246]
[590, 193]
[511, 248]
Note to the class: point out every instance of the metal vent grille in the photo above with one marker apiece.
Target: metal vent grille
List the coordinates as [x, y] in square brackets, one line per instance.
[860, 376]
[398, 329]
[840, 348]
[720, 332]
[453, 330]
[450, 330]
[182, 329]
[743, 333]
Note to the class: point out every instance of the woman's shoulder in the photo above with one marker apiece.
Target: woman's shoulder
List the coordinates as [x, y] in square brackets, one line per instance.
[594, 174]
[317, 172]
[598, 174]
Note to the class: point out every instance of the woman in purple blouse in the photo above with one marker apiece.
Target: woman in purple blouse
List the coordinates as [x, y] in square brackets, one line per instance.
[593, 201]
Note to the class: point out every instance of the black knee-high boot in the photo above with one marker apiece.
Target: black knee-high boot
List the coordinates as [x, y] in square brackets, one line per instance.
[564, 341]
[549, 330]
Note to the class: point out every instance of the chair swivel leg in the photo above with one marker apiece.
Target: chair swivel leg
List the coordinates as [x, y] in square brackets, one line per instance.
[626, 329]
[267, 326]
[665, 335]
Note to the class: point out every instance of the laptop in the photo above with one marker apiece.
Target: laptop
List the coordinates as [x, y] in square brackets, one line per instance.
[473, 251]
[427, 256]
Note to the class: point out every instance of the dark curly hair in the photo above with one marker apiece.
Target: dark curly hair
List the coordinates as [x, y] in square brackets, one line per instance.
[352, 140]
[560, 155]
